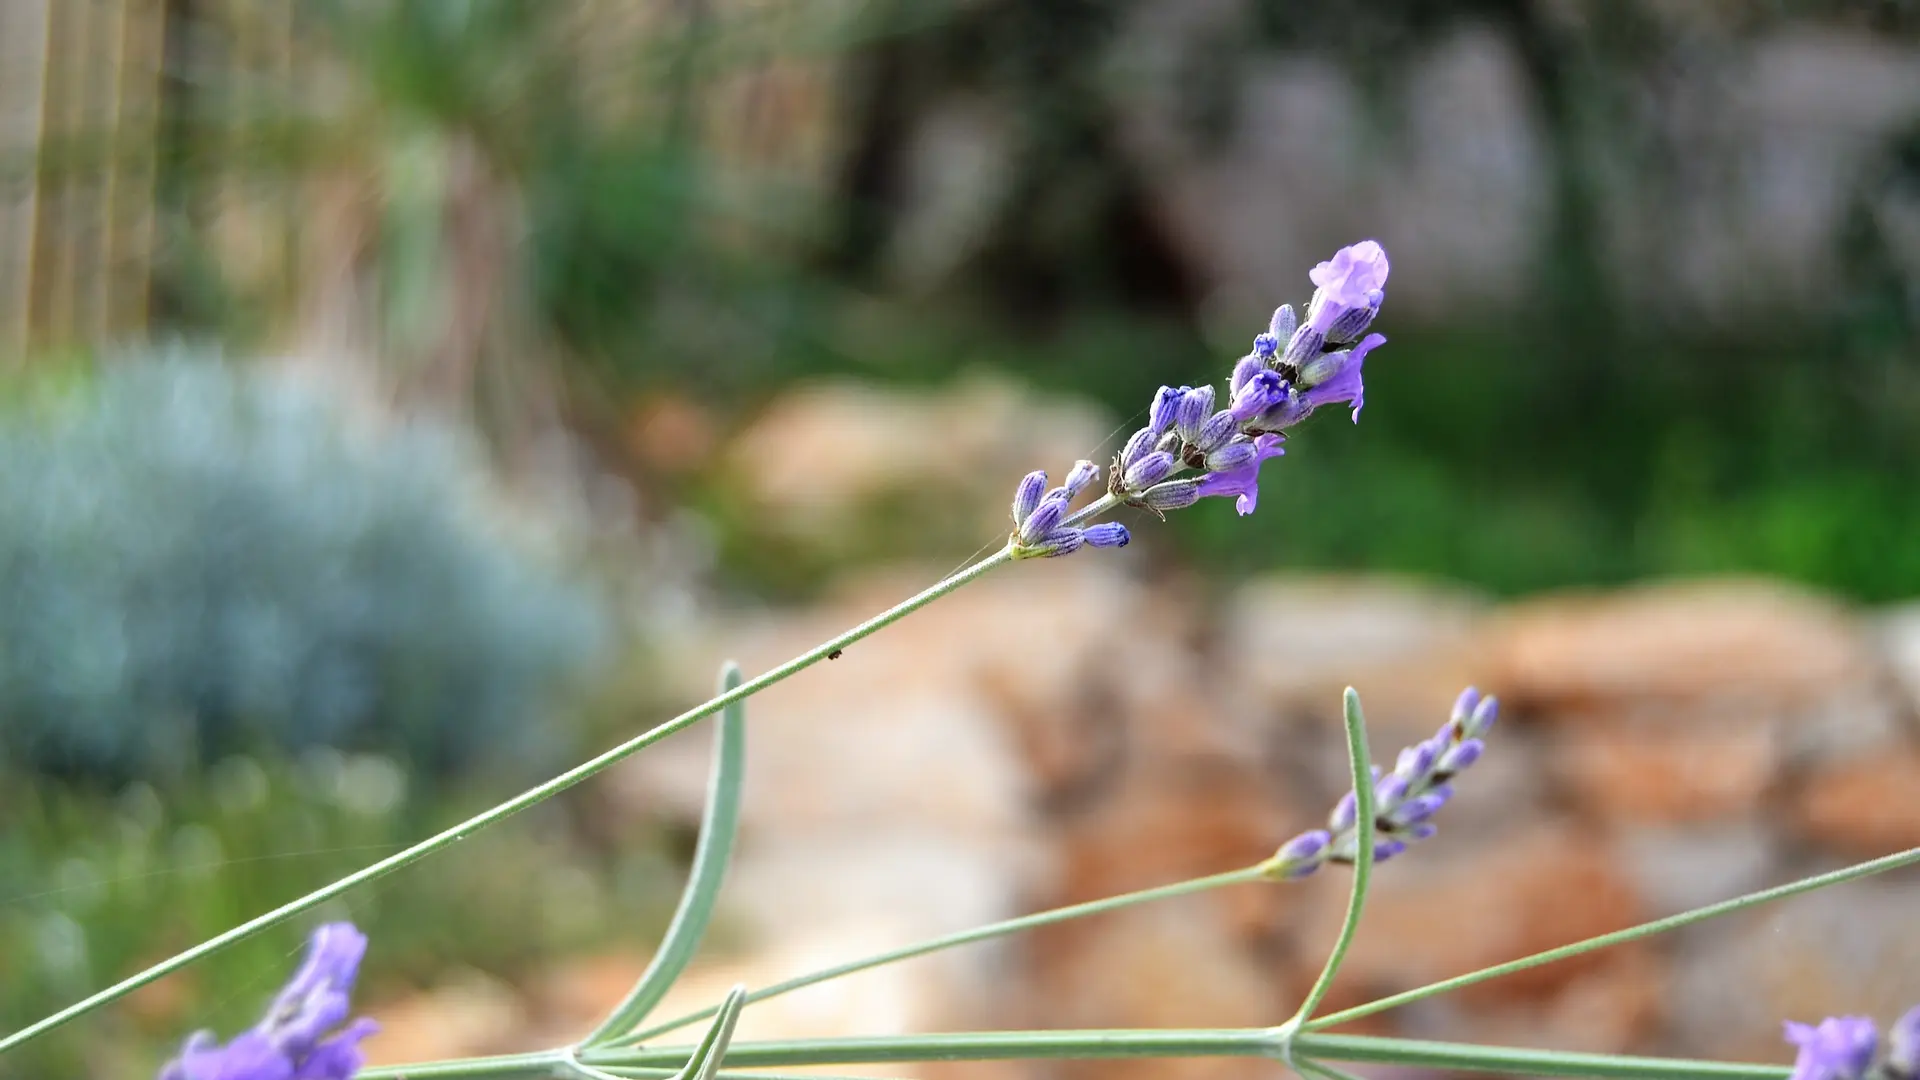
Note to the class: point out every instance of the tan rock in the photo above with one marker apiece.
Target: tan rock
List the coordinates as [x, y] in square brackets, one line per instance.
[941, 462]
[1444, 910]
[1868, 806]
[1854, 949]
[1292, 645]
[1758, 642]
[1630, 774]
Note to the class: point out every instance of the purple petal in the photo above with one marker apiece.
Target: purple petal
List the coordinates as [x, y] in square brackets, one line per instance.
[1107, 534]
[1840, 1048]
[1244, 483]
[1166, 403]
[1084, 473]
[1026, 497]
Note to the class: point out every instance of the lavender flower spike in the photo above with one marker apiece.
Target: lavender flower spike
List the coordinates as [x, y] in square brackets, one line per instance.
[1404, 801]
[1244, 482]
[1840, 1048]
[300, 1038]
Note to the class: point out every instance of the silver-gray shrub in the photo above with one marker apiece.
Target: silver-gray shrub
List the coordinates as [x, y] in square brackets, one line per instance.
[197, 558]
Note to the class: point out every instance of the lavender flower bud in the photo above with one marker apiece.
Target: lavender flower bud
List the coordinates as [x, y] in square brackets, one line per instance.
[1387, 849]
[1170, 443]
[1045, 518]
[1084, 473]
[1138, 447]
[1417, 761]
[1304, 346]
[1148, 471]
[1421, 807]
[1346, 813]
[1262, 390]
[1026, 497]
[1215, 432]
[1422, 831]
[1283, 323]
[1484, 714]
[1061, 541]
[1266, 346]
[1389, 793]
[1166, 404]
[1172, 495]
[1106, 534]
[1460, 758]
[1303, 854]
[1356, 320]
[1244, 369]
[1192, 414]
[1463, 707]
[1237, 454]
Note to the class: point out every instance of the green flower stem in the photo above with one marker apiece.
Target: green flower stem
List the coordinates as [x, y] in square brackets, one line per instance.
[1322, 1070]
[1093, 509]
[536, 1066]
[503, 811]
[1618, 937]
[965, 937]
[1363, 795]
[1513, 1061]
[966, 1046]
[1185, 1043]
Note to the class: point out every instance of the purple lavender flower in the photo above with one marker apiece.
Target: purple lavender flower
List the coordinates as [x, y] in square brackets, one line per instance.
[1840, 1048]
[1083, 473]
[300, 1038]
[1404, 800]
[1261, 390]
[1107, 534]
[1165, 404]
[1355, 279]
[1026, 496]
[1244, 482]
[1191, 415]
[1336, 376]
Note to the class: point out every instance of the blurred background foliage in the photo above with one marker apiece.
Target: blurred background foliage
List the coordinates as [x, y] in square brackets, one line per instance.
[1655, 311]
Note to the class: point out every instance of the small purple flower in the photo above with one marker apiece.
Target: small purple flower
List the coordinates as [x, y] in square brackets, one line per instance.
[1303, 854]
[1261, 391]
[1336, 376]
[1171, 495]
[1355, 278]
[1192, 413]
[1283, 322]
[1166, 403]
[1244, 482]
[1840, 1048]
[1045, 517]
[1107, 534]
[1083, 473]
[1148, 471]
[1244, 369]
[1460, 758]
[1266, 346]
[1026, 497]
[1234, 455]
[301, 1037]
[1215, 432]
[1139, 446]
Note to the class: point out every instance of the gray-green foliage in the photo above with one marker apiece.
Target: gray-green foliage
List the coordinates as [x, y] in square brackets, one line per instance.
[196, 558]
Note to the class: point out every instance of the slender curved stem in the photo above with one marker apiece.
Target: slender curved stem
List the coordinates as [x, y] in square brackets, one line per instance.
[534, 1066]
[719, 824]
[965, 937]
[1620, 937]
[504, 810]
[1363, 795]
